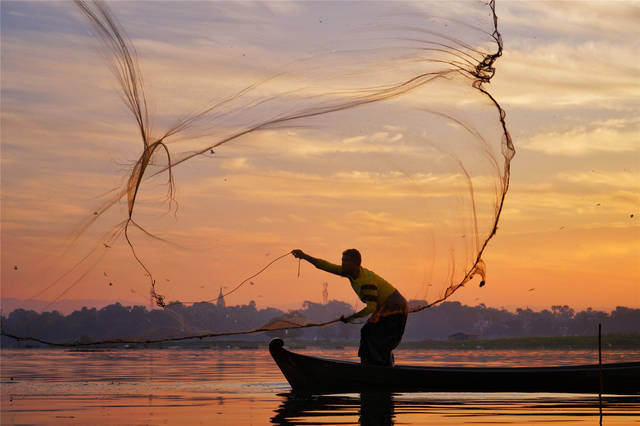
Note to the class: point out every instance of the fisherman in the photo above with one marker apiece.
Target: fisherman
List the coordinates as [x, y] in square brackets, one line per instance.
[384, 328]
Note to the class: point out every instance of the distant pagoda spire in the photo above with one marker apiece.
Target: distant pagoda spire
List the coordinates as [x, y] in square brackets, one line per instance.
[220, 303]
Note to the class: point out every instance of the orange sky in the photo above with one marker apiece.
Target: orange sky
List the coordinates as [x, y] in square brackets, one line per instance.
[566, 236]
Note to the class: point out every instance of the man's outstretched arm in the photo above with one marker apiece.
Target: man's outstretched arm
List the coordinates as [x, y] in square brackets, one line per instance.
[299, 254]
[318, 263]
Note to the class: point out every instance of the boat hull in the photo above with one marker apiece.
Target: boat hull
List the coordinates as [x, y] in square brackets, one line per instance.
[311, 375]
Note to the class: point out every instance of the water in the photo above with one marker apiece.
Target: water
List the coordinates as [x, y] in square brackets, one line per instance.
[244, 387]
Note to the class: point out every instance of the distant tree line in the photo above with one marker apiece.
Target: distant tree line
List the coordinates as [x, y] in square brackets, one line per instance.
[448, 318]
[436, 323]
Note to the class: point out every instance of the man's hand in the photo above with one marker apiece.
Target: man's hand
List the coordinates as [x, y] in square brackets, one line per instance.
[298, 254]
[343, 319]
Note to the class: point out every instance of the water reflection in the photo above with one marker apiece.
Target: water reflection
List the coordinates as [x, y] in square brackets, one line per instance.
[379, 408]
[301, 409]
[243, 387]
[373, 408]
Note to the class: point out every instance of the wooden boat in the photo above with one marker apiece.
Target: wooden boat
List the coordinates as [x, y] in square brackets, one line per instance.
[311, 375]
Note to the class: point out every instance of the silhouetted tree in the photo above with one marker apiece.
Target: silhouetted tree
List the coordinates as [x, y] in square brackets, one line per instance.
[125, 322]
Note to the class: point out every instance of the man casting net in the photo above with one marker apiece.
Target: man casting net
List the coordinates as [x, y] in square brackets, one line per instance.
[321, 126]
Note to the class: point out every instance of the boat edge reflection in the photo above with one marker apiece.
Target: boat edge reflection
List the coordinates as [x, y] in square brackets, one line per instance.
[376, 407]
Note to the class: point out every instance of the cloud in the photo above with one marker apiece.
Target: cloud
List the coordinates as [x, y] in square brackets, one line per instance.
[297, 218]
[615, 136]
[379, 223]
[619, 180]
[236, 164]
[560, 74]
[568, 54]
[576, 20]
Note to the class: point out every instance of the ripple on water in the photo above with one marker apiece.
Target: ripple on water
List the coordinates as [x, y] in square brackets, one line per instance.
[240, 387]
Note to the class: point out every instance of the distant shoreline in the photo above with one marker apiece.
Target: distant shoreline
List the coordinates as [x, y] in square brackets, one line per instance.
[610, 342]
[614, 341]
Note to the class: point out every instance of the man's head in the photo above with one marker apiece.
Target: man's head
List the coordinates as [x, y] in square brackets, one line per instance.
[351, 261]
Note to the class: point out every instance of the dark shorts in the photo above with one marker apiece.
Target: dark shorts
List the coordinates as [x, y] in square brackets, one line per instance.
[377, 340]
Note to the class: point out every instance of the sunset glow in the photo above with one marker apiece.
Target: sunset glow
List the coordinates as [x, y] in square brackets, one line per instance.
[569, 232]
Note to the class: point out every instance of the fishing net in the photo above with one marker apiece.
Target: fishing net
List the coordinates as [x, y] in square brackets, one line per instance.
[325, 127]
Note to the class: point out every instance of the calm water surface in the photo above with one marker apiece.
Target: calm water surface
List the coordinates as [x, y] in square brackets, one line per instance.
[244, 387]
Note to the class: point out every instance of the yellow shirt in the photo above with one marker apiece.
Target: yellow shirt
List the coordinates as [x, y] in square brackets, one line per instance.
[371, 288]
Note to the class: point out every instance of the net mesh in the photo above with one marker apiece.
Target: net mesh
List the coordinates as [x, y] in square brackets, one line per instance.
[377, 132]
